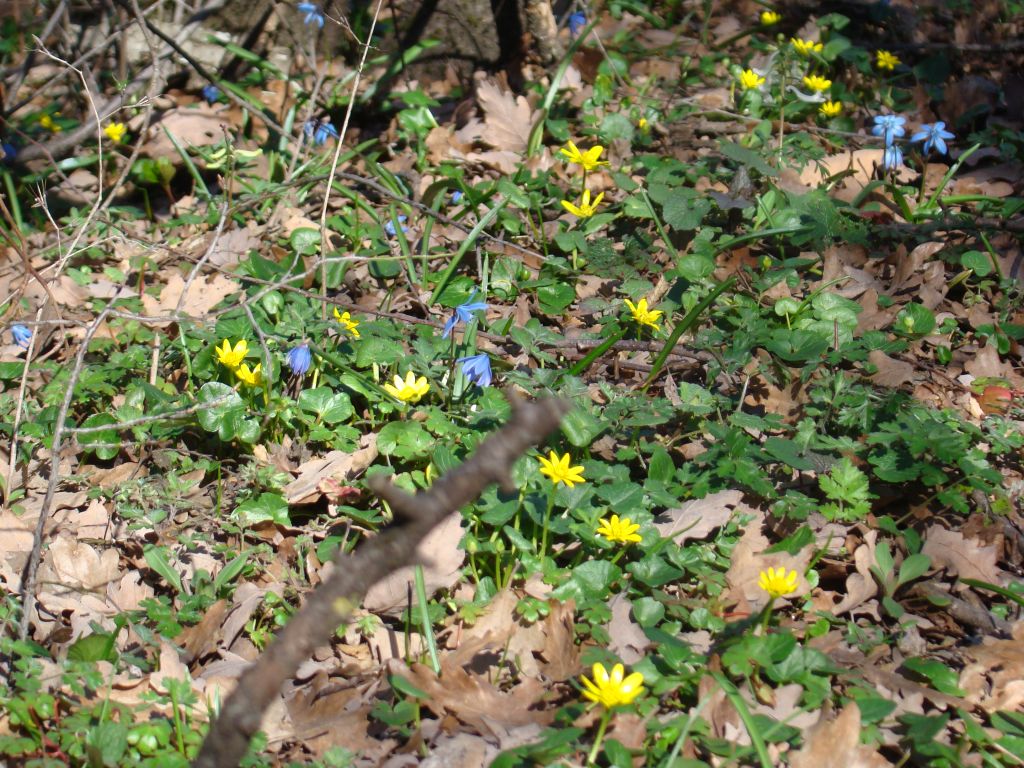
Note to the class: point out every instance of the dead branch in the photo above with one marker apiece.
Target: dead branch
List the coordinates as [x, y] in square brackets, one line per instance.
[336, 598]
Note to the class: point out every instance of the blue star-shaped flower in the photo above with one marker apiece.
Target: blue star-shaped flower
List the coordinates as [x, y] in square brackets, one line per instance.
[389, 226]
[211, 93]
[456, 197]
[22, 335]
[313, 14]
[934, 137]
[9, 152]
[319, 131]
[893, 158]
[477, 368]
[463, 313]
[889, 126]
[577, 21]
[299, 359]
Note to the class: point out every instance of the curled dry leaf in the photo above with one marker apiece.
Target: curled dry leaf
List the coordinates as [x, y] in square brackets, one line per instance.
[442, 558]
[966, 558]
[837, 744]
[697, 519]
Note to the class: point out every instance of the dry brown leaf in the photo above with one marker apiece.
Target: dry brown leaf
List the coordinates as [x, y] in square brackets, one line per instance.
[201, 638]
[860, 586]
[442, 558]
[891, 372]
[197, 127]
[697, 519]
[994, 679]
[560, 653]
[837, 744]
[472, 698]
[966, 558]
[71, 567]
[203, 295]
[748, 561]
[507, 117]
[625, 637]
[340, 465]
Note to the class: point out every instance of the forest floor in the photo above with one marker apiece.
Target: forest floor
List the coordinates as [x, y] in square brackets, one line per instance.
[772, 258]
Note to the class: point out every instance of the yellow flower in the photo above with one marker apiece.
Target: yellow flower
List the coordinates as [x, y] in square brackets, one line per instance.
[749, 80]
[557, 470]
[616, 529]
[232, 357]
[770, 17]
[643, 315]
[611, 690]
[253, 378]
[352, 326]
[642, 124]
[47, 122]
[589, 159]
[115, 132]
[806, 47]
[817, 82]
[886, 60]
[409, 390]
[585, 209]
[831, 108]
[777, 583]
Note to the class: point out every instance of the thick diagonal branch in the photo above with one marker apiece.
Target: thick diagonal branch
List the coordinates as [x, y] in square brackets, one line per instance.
[335, 599]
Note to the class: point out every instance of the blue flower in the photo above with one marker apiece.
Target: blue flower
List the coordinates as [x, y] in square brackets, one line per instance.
[889, 126]
[319, 130]
[577, 21]
[457, 197]
[211, 93]
[389, 226]
[477, 368]
[313, 15]
[299, 359]
[893, 158]
[933, 136]
[21, 335]
[10, 152]
[463, 313]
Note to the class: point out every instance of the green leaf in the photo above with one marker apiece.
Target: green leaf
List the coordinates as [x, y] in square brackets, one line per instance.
[106, 443]
[98, 646]
[211, 417]
[405, 439]
[305, 240]
[747, 157]
[330, 406]
[106, 743]
[942, 677]
[581, 427]
[157, 559]
[685, 209]
[914, 567]
[555, 297]
[266, 507]
[977, 262]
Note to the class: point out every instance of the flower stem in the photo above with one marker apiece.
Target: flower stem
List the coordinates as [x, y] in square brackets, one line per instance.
[547, 522]
[599, 739]
[766, 616]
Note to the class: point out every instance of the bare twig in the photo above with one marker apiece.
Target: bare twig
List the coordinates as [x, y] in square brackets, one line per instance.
[337, 154]
[336, 598]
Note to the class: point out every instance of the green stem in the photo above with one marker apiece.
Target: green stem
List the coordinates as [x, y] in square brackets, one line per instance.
[766, 616]
[464, 247]
[596, 352]
[427, 629]
[599, 739]
[733, 694]
[682, 327]
[547, 522]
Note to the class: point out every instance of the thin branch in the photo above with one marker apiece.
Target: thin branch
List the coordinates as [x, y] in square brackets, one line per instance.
[334, 601]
